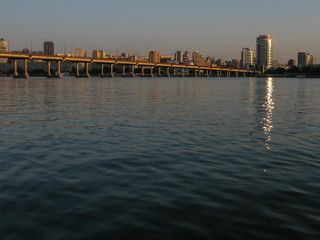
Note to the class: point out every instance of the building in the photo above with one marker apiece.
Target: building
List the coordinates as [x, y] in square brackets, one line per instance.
[154, 56]
[48, 48]
[235, 63]
[247, 58]
[179, 57]
[198, 59]
[305, 59]
[99, 54]
[187, 56]
[264, 52]
[221, 62]
[80, 52]
[3, 48]
[292, 63]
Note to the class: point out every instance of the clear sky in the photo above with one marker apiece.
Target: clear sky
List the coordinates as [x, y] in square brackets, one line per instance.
[215, 28]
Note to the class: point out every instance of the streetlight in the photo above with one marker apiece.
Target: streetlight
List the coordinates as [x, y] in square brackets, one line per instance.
[30, 45]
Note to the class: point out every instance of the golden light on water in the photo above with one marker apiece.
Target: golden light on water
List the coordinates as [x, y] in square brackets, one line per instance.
[269, 107]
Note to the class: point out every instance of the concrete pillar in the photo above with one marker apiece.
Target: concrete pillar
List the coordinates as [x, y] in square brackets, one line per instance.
[182, 72]
[168, 72]
[102, 71]
[123, 70]
[207, 73]
[159, 71]
[26, 74]
[133, 67]
[48, 69]
[77, 69]
[87, 70]
[196, 74]
[142, 71]
[111, 70]
[228, 73]
[59, 75]
[15, 67]
[188, 72]
[244, 74]
[151, 72]
[174, 72]
[237, 74]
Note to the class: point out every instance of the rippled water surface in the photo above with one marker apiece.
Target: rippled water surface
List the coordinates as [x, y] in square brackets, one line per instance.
[176, 158]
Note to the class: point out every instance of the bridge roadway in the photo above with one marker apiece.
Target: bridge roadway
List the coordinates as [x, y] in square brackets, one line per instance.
[169, 69]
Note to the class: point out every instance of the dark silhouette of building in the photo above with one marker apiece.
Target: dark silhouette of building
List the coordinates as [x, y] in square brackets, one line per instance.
[48, 48]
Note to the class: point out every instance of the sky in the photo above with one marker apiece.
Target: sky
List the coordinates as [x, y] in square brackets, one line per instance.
[215, 28]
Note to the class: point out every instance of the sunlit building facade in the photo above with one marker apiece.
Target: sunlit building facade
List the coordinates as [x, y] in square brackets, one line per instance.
[247, 58]
[3, 48]
[154, 56]
[264, 52]
[305, 59]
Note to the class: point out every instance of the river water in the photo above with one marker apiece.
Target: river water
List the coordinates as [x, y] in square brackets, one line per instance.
[160, 158]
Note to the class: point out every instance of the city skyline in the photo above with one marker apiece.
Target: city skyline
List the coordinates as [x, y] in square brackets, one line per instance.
[215, 29]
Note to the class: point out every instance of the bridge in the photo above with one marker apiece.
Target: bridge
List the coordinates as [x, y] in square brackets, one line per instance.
[128, 67]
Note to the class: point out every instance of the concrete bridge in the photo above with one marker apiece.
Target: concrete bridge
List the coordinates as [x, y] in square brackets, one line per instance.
[128, 67]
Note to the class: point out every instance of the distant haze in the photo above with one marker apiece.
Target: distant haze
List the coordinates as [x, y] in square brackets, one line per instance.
[215, 28]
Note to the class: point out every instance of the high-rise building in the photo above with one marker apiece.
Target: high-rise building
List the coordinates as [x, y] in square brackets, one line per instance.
[247, 58]
[264, 51]
[198, 59]
[305, 59]
[187, 56]
[80, 52]
[179, 57]
[154, 56]
[235, 63]
[48, 48]
[3, 48]
[99, 54]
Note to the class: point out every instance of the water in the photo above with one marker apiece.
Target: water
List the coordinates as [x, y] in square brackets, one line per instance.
[176, 158]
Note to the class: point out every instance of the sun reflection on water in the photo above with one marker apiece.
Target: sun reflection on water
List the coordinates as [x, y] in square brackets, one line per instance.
[269, 106]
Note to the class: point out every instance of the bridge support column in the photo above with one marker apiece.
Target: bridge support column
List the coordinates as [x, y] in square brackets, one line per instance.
[196, 73]
[175, 72]
[26, 74]
[244, 74]
[228, 74]
[111, 70]
[182, 72]
[77, 70]
[59, 75]
[151, 72]
[207, 73]
[236, 74]
[142, 71]
[159, 71]
[133, 67]
[123, 70]
[188, 72]
[87, 70]
[168, 72]
[48, 69]
[102, 71]
[15, 68]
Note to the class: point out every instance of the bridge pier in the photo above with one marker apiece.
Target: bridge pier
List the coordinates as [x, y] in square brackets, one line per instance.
[207, 73]
[111, 74]
[48, 69]
[167, 74]
[130, 74]
[15, 68]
